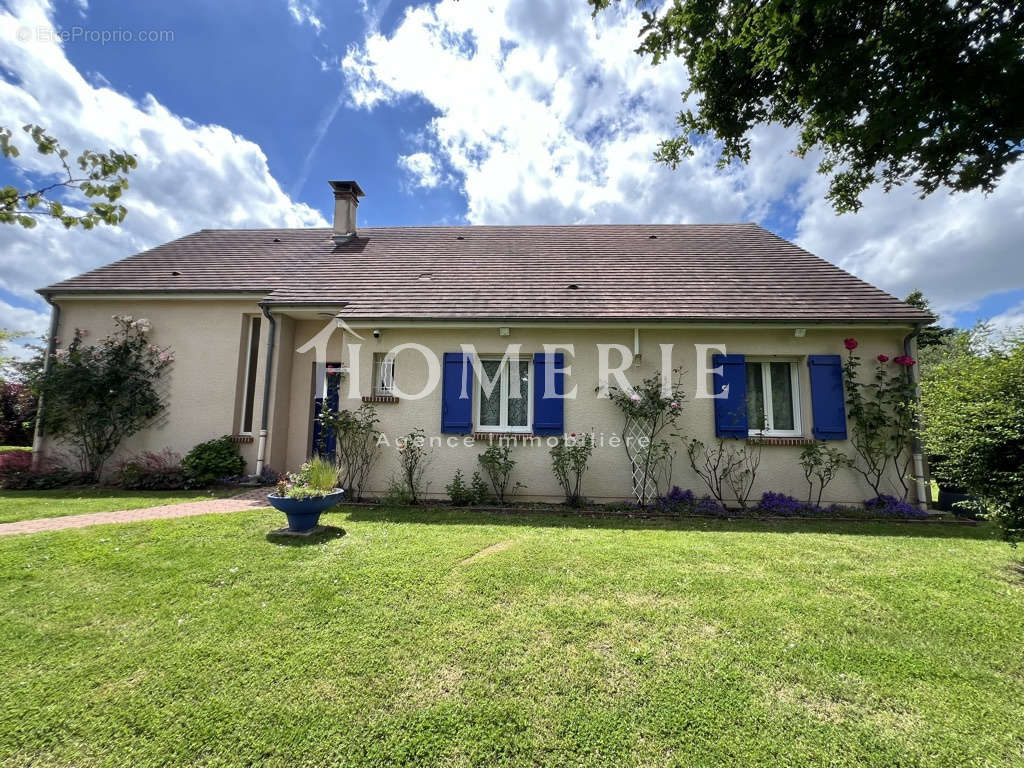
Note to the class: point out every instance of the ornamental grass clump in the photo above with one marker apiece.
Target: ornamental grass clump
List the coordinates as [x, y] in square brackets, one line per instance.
[316, 478]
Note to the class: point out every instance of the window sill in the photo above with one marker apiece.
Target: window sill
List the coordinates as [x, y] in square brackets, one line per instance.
[241, 438]
[768, 440]
[380, 399]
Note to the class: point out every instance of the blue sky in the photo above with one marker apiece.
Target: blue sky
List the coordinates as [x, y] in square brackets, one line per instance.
[496, 111]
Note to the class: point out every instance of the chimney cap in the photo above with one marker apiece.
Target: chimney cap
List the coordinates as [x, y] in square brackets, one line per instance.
[349, 187]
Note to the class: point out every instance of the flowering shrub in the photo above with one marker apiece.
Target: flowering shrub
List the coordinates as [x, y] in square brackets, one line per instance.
[781, 505]
[680, 502]
[15, 461]
[97, 395]
[889, 506]
[881, 413]
[153, 471]
[648, 411]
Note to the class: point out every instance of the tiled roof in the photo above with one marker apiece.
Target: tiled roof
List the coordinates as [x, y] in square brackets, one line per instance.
[728, 272]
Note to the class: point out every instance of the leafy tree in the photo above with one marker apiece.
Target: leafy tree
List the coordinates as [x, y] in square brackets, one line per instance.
[933, 333]
[973, 417]
[924, 90]
[97, 395]
[6, 336]
[98, 175]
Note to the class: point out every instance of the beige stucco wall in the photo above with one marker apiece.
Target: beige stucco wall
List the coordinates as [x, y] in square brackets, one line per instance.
[204, 389]
[608, 477]
[203, 386]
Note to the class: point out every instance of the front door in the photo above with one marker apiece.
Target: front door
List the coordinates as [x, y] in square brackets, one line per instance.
[325, 392]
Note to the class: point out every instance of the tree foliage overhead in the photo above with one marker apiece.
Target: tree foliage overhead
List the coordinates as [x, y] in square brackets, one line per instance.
[100, 176]
[920, 90]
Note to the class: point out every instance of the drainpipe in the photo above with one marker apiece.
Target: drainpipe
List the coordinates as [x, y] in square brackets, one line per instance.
[261, 450]
[917, 449]
[51, 348]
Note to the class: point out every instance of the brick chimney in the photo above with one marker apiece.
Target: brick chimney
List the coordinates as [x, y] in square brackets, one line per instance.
[346, 200]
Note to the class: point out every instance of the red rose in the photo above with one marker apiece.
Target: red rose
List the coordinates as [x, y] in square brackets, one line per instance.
[883, 358]
[905, 360]
[850, 344]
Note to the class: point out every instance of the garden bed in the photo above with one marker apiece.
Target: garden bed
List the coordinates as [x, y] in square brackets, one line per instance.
[600, 511]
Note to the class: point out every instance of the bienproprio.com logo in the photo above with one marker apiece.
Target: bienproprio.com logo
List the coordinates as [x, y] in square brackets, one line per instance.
[105, 36]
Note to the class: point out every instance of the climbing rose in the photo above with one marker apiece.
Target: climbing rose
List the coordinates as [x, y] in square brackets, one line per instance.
[883, 358]
[850, 344]
[905, 360]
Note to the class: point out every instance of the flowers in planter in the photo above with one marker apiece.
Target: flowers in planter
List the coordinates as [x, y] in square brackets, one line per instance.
[316, 478]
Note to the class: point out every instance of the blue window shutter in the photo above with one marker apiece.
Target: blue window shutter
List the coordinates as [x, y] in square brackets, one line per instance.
[731, 411]
[548, 412]
[456, 410]
[828, 401]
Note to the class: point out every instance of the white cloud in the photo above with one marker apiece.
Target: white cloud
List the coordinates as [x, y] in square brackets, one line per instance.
[422, 168]
[305, 13]
[548, 116]
[190, 176]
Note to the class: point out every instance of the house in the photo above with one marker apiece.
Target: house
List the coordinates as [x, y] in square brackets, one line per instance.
[264, 323]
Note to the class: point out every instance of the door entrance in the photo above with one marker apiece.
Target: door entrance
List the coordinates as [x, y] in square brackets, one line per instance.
[325, 394]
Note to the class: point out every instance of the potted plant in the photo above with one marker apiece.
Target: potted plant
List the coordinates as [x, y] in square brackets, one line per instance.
[304, 495]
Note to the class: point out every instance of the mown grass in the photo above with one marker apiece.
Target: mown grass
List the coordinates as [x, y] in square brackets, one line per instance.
[456, 638]
[30, 505]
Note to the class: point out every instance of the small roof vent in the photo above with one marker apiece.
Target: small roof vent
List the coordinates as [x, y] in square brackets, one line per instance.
[459, 237]
[652, 237]
[573, 287]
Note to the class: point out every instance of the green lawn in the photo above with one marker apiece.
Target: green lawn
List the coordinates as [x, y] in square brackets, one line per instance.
[29, 505]
[447, 638]
[15, 448]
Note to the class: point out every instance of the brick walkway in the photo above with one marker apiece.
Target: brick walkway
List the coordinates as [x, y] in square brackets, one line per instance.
[253, 499]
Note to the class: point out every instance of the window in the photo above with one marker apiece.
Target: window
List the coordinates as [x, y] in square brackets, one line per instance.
[383, 374]
[773, 401]
[509, 407]
[253, 354]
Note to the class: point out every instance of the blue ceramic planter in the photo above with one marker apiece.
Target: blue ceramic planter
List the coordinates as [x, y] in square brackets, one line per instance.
[304, 514]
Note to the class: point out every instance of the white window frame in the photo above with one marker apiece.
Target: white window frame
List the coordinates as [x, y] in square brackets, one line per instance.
[252, 359]
[384, 374]
[503, 388]
[766, 383]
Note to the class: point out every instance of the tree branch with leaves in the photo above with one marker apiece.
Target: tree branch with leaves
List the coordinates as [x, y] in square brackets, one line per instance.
[99, 176]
